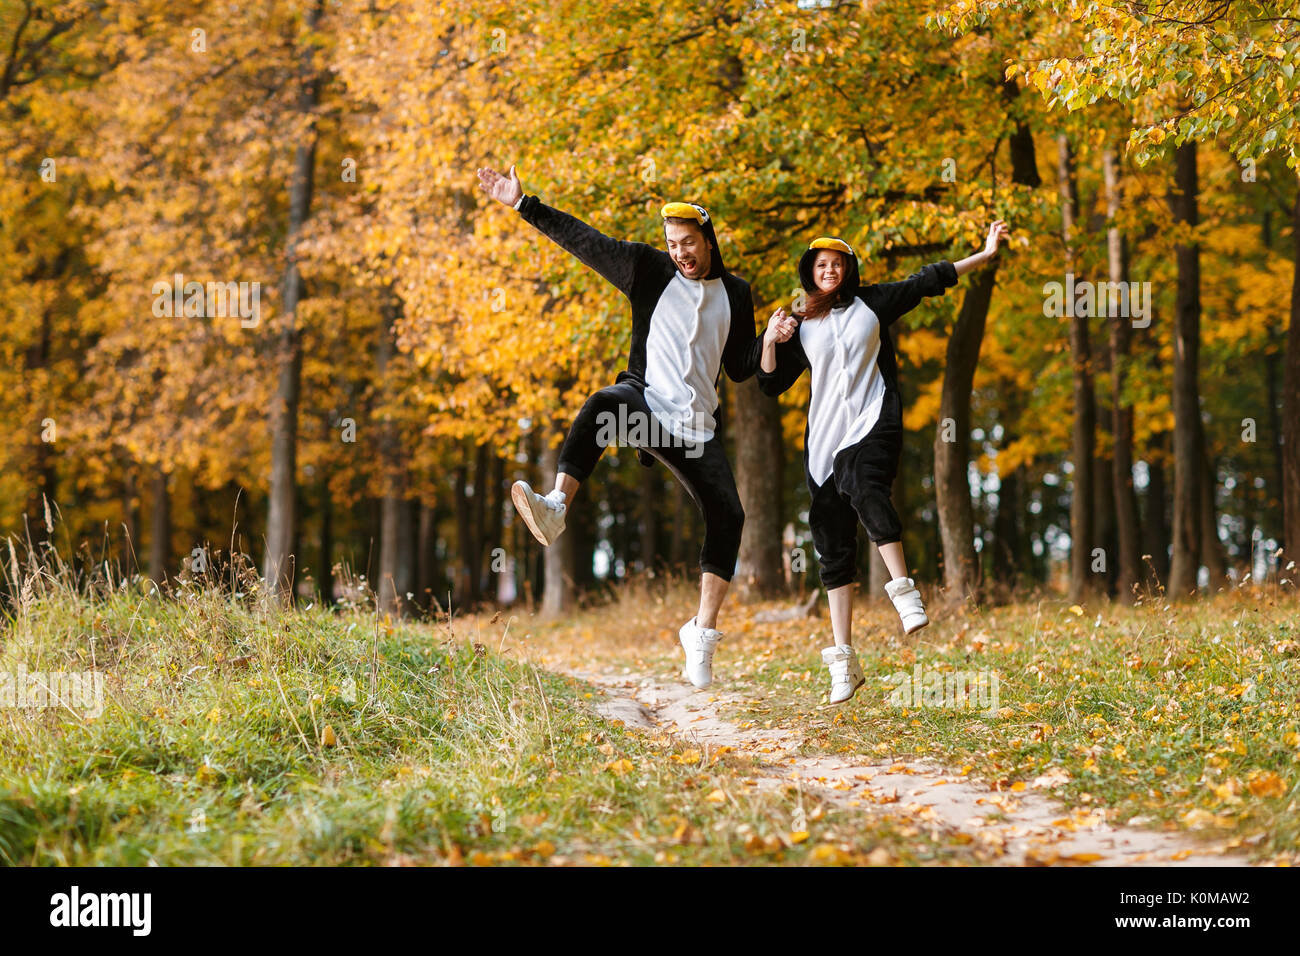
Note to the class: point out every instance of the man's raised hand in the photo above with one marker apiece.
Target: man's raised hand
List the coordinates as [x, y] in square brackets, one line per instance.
[504, 189]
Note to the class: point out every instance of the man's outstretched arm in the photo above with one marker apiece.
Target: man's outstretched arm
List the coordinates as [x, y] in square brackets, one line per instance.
[615, 259]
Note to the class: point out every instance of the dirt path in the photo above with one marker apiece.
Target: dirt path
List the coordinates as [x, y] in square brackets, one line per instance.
[1025, 827]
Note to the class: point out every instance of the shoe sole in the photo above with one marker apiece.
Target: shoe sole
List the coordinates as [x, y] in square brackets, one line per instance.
[917, 627]
[524, 506]
[859, 684]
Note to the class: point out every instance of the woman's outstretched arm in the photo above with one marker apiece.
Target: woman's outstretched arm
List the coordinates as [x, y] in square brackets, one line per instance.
[890, 300]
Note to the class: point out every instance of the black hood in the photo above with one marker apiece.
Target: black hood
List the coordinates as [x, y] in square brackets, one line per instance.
[848, 286]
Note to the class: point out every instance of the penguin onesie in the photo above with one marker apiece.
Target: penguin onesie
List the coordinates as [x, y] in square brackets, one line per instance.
[665, 403]
[854, 436]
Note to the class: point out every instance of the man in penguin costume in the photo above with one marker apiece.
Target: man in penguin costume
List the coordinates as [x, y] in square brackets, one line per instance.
[691, 318]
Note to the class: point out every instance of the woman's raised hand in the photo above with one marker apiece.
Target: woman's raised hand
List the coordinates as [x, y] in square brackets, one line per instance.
[780, 327]
[997, 232]
[504, 189]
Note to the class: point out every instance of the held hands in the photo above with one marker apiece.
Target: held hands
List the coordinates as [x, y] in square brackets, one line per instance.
[779, 327]
[504, 189]
[997, 232]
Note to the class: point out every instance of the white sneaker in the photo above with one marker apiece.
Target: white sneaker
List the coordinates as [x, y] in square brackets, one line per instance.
[846, 672]
[907, 601]
[699, 644]
[544, 517]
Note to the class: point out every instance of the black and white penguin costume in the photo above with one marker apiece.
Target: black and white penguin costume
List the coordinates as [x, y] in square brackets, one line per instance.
[684, 332]
[854, 436]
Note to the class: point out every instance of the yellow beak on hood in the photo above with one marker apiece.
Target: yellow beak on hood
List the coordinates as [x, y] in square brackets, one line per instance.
[830, 242]
[685, 210]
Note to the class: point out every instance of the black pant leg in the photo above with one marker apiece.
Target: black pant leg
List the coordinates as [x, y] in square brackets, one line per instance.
[706, 474]
[587, 438]
[865, 473]
[835, 534]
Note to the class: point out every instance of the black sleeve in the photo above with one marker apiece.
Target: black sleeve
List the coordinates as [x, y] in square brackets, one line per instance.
[790, 363]
[889, 300]
[615, 259]
[743, 349]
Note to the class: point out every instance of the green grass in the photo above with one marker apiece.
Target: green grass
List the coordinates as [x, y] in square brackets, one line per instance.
[211, 750]
[1176, 715]
[1182, 715]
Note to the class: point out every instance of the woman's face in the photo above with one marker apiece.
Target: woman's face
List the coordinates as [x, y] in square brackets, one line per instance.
[828, 269]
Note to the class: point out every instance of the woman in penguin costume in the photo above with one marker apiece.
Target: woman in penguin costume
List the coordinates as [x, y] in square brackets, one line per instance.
[854, 436]
[691, 319]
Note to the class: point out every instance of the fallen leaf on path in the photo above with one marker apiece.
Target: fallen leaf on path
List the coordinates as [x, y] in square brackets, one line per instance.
[1198, 819]
[1055, 777]
[830, 854]
[1267, 784]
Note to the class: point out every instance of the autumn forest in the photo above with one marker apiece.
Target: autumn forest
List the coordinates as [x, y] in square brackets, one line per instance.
[254, 305]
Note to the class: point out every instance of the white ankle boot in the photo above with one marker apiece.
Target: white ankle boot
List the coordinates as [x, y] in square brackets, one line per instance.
[846, 672]
[699, 644]
[907, 601]
[543, 515]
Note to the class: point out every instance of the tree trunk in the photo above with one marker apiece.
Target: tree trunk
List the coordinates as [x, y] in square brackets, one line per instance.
[952, 490]
[464, 537]
[160, 529]
[1212, 550]
[325, 579]
[1291, 411]
[1008, 531]
[278, 567]
[647, 517]
[951, 458]
[1189, 466]
[130, 518]
[1085, 415]
[1155, 522]
[478, 532]
[426, 558]
[494, 535]
[581, 525]
[759, 570]
[393, 473]
[1127, 569]
[41, 499]
[392, 514]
